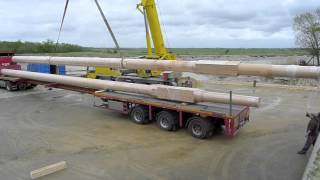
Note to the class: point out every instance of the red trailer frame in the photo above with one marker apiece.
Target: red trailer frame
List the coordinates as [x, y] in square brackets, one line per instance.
[232, 123]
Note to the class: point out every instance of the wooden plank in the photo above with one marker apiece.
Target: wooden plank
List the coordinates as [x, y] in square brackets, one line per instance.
[48, 170]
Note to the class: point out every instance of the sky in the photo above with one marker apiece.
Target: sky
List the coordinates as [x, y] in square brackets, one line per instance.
[185, 23]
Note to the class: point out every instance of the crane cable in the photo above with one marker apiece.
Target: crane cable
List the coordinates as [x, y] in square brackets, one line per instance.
[105, 21]
[110, 31]
[163, 25]
[61, 24]
[59, 34]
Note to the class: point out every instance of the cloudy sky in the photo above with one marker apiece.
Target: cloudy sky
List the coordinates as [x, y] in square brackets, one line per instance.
[187, 23]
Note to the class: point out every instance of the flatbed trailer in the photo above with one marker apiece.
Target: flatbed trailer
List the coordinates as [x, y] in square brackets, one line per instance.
[202, 120]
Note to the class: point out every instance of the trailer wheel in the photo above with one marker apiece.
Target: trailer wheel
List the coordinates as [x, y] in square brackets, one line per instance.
[22, 86]
[167, 120]
[201, 128]
[31, 86]
[140, 114]
[9, 86]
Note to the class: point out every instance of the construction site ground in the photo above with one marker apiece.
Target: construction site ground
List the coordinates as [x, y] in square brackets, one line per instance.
[41, 127]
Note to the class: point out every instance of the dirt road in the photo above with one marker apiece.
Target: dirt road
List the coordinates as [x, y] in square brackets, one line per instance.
[41, 127]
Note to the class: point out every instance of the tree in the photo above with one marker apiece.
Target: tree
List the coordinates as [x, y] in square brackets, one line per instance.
[307, 29]
[47, 46]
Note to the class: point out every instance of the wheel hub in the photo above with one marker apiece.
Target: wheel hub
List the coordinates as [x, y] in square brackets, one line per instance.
[164, 123]
[138, 116]
[197, 129]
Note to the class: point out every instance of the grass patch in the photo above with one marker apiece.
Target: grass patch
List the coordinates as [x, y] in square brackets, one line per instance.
[136, 52]
[63, 49]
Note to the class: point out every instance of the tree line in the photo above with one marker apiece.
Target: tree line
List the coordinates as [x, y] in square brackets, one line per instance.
[47, 46]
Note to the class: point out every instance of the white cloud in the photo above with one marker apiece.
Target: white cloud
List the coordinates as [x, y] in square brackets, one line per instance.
[187, 23]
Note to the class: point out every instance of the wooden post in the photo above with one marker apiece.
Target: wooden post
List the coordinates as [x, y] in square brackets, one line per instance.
[227, 68]
[48, 170]
[182, 94]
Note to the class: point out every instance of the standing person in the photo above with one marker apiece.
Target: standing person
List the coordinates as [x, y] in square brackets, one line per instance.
[312, 132]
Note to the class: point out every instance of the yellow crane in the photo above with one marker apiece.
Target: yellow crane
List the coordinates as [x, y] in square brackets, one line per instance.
[152, 24]
[153, 32]
[149, 10]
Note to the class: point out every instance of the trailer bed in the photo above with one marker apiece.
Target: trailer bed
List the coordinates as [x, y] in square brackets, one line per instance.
[7, 78]
[219, 110]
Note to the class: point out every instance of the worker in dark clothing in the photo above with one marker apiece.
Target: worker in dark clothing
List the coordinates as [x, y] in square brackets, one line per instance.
[312, 132]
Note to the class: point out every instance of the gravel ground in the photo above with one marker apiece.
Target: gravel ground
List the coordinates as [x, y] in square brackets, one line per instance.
[40, 127]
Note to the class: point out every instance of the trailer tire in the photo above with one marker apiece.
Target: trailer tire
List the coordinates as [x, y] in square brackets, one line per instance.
[140, 114]
[22, 86]
[167, 120]
[9, 86]
[31, 86]
[200, 128]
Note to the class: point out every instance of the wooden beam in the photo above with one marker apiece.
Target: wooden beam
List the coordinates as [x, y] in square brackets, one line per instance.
[182, 94]
[48, 170]
[226, 68]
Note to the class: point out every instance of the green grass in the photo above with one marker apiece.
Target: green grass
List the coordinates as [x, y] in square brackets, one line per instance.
[37, 47]
[240, 51]
[64, 49]
[135, 52]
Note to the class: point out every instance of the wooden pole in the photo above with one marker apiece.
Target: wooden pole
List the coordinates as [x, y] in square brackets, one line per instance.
[182, 94]
[227, 68]
[48, 170]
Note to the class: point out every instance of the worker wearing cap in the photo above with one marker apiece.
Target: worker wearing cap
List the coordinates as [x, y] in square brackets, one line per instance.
[312, 132]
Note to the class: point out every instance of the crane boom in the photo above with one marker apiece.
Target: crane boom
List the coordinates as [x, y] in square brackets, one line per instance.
[149, 10]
